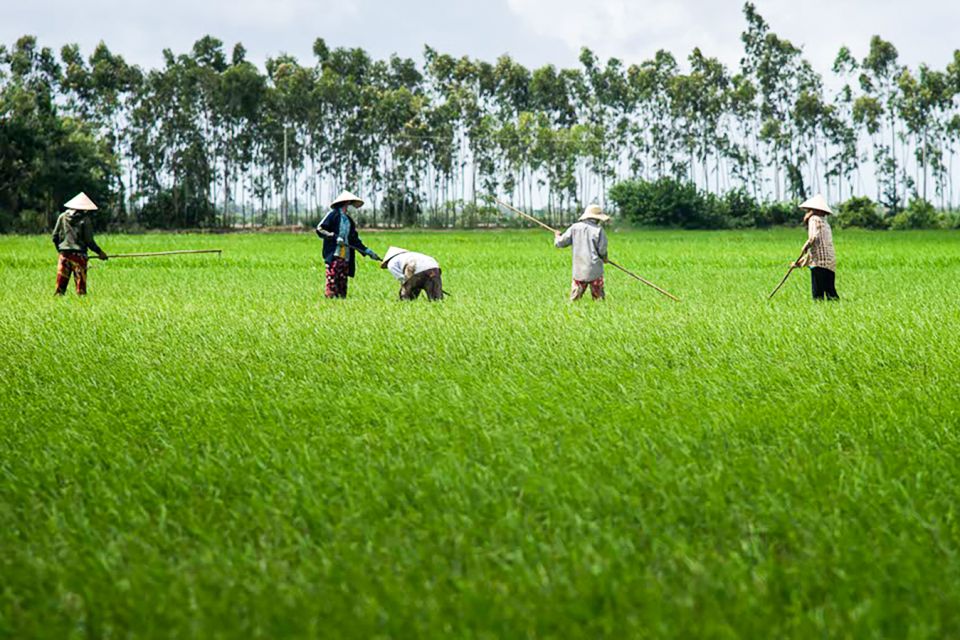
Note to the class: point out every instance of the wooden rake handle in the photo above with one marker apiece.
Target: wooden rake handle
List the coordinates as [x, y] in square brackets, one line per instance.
[163, 253]
[527, 216]
[646, 282]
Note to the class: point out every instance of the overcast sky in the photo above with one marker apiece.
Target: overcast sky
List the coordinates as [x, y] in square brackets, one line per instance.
[535, 32]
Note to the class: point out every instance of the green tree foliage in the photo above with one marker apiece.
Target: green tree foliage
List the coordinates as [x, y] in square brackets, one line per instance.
[210, 139]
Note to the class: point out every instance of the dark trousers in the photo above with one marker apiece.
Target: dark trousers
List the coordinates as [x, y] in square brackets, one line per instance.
[429, 281]
[822, 282]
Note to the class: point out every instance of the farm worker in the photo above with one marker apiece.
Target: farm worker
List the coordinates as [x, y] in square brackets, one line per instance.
[818, 253]
[339, 234]
[589, 252]
[416, 272]
[73, 236]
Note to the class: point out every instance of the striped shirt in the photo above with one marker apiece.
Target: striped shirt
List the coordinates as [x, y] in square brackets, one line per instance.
[820, 252]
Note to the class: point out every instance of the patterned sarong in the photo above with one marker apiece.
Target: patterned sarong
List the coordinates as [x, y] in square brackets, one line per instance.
[74, 264]
[579, 286]
[337, 276]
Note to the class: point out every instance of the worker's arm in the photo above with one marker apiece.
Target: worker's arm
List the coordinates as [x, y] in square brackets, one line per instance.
[602, 245]
[813, 232]
[564, 239]
[409, 270]
[325, 228]
[354, 241]
[87, 231]
[58, 233]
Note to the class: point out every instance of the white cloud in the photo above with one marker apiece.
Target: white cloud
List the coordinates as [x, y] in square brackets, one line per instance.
[923, 31]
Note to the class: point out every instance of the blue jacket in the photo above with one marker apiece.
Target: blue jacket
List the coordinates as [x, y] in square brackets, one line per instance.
[331, 223]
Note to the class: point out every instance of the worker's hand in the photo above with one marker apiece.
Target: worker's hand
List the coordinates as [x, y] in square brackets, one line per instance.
[796, 265]
[103, 256]
[373, 255]
[556, 235]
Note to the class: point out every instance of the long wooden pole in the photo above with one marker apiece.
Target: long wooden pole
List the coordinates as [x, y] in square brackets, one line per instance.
[527, 216]
[629, 273]
[646, 282]
[789, 271]
[163, 253]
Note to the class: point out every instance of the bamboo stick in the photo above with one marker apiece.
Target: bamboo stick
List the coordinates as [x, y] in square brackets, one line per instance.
[164, 253]
[793, 266]
[527, 216]
[646, 282]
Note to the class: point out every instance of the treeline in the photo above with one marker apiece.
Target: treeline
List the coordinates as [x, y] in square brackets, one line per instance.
[210, 139]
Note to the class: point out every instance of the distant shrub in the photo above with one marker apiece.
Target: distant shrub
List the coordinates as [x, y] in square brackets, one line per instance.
[860, 212]
[778, 213]
[919, 214]
[951, 220]
[472, 215]
[668, 203]
[742, 210]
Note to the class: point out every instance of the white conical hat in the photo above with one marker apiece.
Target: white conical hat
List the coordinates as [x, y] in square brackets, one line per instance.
[391, 253]
[348, 198]
[594, 212]
[817, 203]
[80, 202]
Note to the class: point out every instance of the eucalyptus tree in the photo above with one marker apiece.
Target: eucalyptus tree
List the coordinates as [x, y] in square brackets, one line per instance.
[880, 70]
[782, 76]
[953, 124]
[242, 99]
[604, 104]
[923, 104]
[742, 117]
[654, 134]
[511, 100]
[698, 100]
[101, 91]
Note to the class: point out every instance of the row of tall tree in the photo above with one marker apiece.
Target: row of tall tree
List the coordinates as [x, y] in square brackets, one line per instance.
[211, 139]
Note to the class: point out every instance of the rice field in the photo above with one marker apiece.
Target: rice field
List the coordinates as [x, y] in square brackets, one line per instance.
[206, 448]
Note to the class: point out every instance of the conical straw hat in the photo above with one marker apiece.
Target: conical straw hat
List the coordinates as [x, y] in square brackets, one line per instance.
[391, 253]
[594, 212]
[80, 202]
[347, 198]
[817, 203]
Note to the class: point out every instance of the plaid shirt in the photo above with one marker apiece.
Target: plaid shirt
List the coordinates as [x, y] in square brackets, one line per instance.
[820, 252]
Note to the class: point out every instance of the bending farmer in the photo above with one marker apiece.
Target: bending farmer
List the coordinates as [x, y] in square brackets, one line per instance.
[340, 239]
[73, 236]
[589, 244]
[818, 252]
[416, 272]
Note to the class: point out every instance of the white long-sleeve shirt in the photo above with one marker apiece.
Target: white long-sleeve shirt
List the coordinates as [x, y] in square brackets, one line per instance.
[410, 263]
[589, 244]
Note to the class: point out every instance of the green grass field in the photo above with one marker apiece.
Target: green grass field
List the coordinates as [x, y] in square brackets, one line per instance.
[205, 448]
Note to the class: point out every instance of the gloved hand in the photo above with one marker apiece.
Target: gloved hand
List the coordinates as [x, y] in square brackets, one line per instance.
[103, 255]
[373, 255]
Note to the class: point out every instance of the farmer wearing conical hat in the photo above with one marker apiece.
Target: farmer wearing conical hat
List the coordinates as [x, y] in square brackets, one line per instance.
[416, 272]
[340, 239]
[818, 252]
[589, 244]
[73, 237]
